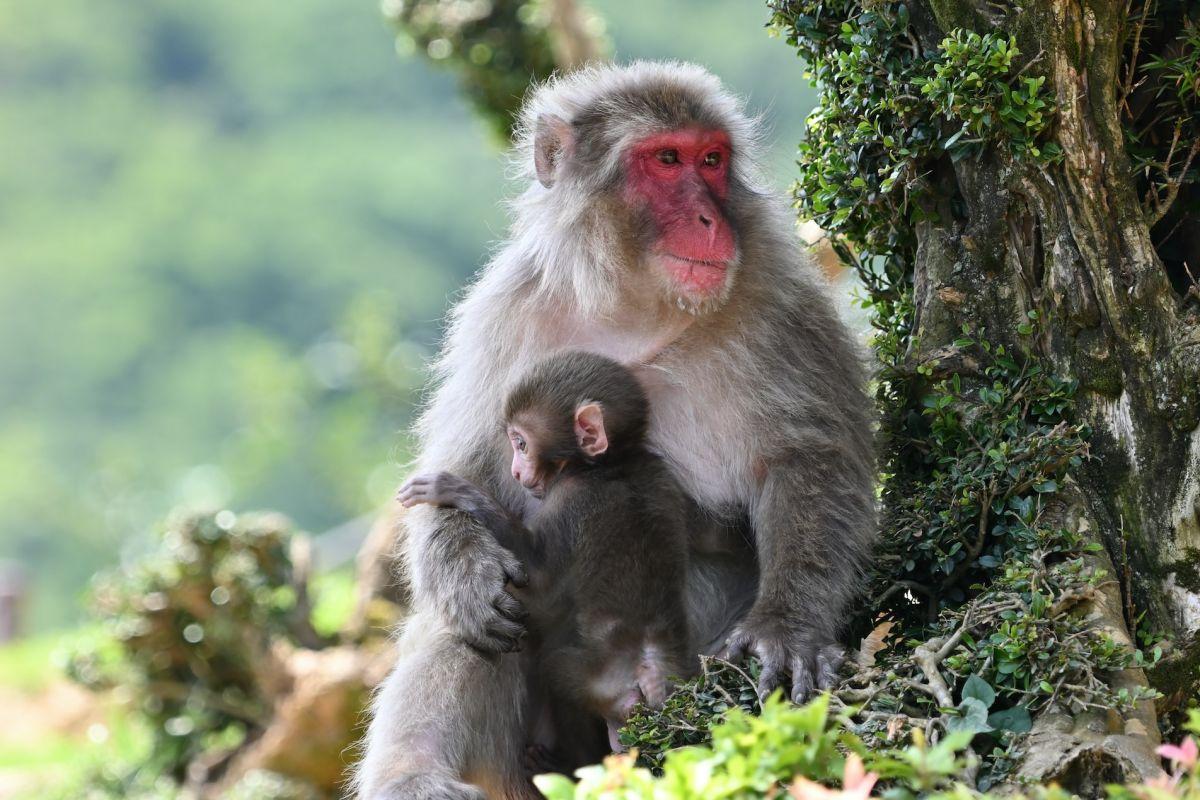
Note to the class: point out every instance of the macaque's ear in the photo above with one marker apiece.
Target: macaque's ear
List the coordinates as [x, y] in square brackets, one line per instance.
[589, 430]
[553, 143]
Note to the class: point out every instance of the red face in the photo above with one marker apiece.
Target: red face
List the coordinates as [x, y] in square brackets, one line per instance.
[681, 179]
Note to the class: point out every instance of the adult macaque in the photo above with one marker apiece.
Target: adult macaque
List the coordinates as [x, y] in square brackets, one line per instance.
[606, 550]
[646, 235]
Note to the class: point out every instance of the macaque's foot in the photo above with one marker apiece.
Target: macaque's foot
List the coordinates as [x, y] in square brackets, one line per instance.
[783, 651]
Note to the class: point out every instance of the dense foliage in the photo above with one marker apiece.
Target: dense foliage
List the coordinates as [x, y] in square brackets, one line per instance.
[690, 711]
[800, 752]
[889, 108]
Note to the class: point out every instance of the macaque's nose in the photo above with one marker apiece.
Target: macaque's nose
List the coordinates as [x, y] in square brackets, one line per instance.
[524, 475]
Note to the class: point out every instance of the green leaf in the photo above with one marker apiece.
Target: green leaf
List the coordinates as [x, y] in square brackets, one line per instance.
[555, 787]
[979, 689]
[1015, 719]
[973, 718]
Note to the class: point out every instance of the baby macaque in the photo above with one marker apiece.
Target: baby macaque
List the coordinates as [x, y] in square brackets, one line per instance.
[606, 547]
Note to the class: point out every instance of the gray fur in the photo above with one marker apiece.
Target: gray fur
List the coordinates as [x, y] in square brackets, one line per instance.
[757, 404]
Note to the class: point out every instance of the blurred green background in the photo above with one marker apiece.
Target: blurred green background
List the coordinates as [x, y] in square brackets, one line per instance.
[228, 233]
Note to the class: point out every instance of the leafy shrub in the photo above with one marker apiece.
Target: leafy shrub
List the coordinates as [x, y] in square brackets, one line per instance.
[979, 591]
[809, 754]
[196, 622]
[888, 109]
[751, 756]
[967, 479]
[974, 85]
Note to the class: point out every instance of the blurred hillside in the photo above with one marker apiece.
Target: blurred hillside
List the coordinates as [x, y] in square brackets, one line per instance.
[228, 232]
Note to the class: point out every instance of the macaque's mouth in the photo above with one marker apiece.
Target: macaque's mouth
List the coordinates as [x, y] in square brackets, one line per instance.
[697, 275]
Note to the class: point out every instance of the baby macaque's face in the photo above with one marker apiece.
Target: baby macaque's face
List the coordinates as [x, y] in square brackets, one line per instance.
[533, 438]
[529, 468]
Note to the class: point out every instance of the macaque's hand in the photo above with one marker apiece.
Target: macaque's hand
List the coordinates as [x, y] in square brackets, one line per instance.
[435, 489]
[477, 569]
[480, 609]
[785, 649]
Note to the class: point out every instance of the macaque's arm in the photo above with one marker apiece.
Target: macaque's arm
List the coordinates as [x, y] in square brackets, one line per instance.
[810, 554]
[450, 491]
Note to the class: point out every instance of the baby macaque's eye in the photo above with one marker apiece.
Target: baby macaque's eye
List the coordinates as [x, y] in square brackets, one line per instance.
[668, 156]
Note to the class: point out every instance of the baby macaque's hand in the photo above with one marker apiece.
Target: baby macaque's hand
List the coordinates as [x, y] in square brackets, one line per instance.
[435, 489]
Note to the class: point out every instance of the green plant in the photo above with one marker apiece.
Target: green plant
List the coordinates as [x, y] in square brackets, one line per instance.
[690, 711]
[889, 109]
[748, 756]
[976, 85]
[1163, 136]
[495, 48]
[195, 624]
[967, 478]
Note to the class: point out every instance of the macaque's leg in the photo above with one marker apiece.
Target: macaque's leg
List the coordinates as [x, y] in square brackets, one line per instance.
[721, 589]
[448, 723]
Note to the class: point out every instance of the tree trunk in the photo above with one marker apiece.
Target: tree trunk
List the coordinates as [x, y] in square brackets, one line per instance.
[1073, 242]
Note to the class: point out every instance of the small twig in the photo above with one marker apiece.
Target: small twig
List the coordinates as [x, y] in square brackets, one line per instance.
[976, 547]
[1161, 207]
[1029, 64]
[929, 656]
[1137, 43]
[1193, 291]
[918, 686]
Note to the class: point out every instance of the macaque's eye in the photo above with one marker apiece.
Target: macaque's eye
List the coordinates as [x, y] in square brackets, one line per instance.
[712, 159]
[520, 444]
[668, 156]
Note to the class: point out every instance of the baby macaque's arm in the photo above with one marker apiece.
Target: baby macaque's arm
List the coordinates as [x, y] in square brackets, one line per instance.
[450, 491]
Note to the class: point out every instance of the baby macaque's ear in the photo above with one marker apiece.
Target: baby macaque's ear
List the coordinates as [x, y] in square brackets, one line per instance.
[589, 430]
